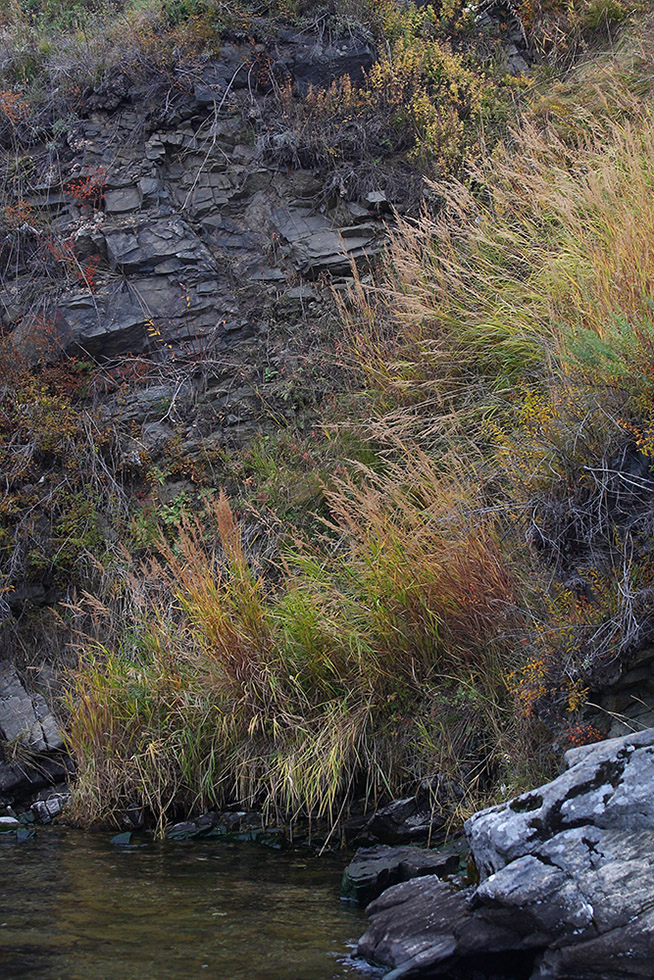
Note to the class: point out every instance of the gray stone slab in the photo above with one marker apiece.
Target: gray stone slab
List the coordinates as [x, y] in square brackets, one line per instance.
[25, 716]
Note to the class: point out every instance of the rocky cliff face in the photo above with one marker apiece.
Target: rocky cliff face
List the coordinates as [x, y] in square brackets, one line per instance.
[168, 230]
[164, 249]
[184, 234]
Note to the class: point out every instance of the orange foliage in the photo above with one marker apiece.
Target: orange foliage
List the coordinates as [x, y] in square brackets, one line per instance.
[89, 189]
[12, 107]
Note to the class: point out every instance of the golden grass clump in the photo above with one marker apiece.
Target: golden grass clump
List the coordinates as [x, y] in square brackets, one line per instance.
[515, 324]
[538, 269]
[216, 687]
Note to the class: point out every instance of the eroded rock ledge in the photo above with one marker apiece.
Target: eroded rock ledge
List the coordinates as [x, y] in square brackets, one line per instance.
[567, 883]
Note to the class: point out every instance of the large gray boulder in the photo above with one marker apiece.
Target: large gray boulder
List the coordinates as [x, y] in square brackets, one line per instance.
[567, 883]
[585, 897]
[31, 746]
[420, 923]
[25, 717]
[609, 784]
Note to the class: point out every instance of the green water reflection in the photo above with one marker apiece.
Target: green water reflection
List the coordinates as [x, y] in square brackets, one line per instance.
[74, 908]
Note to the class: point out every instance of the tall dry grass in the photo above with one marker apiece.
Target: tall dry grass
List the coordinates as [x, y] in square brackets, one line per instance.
[538, 268]
[516, 325]
[504, 350]
[218, 688]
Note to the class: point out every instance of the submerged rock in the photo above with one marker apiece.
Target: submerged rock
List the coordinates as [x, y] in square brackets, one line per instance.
[11, 829]
[189, 830]
[122, 840]
[229, 825]
[568, 875]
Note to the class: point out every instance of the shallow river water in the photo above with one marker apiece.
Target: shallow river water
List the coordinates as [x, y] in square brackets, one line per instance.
[72, 907]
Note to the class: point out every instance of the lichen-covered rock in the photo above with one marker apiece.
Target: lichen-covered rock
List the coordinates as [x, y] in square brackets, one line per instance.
[585, 896]
[29, 728]
[25, 717]
[568, 875]
[609, 784]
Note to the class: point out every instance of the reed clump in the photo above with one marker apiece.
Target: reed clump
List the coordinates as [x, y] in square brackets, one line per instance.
[215, 686]
[516, 324]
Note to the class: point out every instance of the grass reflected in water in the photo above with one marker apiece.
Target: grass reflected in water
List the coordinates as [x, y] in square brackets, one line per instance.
[72, 907]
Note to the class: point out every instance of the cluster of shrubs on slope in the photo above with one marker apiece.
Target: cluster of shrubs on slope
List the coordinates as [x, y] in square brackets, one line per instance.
[63, 493]
[490, 561]
[437, 92]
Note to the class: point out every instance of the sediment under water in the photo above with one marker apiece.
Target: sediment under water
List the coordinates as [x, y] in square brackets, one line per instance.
[72, 907]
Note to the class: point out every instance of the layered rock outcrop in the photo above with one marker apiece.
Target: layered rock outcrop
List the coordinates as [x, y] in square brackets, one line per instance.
[191, 230]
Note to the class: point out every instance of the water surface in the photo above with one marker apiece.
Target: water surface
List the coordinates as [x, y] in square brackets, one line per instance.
[72, 907]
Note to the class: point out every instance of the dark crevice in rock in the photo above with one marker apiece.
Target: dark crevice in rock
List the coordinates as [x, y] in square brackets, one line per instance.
[551, 822]
[526, 803]
[513, 965]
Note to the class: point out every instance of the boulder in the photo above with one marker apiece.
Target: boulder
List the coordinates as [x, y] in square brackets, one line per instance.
[229, 825]
[404, 821]
[51, 805]
[418, 926]
[414, 819]
[25, 717]
[20, 781]
[12, 780]
[36, 758]
[567, 877]
[609, 784]
[587, 895]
